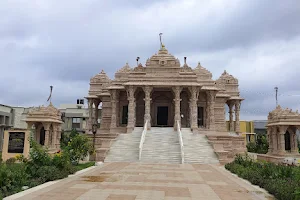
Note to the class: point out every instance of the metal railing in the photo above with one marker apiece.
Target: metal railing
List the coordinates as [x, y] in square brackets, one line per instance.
[180, 141]
[143, 140]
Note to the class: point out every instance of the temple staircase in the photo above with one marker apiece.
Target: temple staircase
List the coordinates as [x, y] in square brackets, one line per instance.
[126, 147]
[197, 149]
[161, 146]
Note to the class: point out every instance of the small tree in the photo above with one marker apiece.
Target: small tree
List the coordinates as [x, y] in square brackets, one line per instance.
[78, 147]
[260, 146]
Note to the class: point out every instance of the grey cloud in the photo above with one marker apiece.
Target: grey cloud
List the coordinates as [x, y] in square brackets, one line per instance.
[66, 44]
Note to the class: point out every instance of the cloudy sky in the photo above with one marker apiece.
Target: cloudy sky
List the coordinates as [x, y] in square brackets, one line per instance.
[64, 43]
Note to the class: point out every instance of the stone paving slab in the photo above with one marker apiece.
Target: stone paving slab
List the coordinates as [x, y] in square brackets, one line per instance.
[135, 181]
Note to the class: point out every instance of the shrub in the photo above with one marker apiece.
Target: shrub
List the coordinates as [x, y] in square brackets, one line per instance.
[12, 178]
[10, 161]
[261, 145]
[78, 147]
[281, 181]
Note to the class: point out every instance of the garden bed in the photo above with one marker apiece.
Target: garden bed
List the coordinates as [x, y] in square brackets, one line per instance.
[281, 181]
[42, 167]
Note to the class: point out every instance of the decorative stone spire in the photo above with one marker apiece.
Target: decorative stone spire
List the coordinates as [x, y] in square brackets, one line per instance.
[101, 77]
[125, 69]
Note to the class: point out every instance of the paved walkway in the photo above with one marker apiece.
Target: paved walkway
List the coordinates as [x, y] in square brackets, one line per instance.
[134, 181]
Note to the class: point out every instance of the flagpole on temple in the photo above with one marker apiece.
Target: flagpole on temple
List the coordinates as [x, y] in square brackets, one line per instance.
[50, 96]
[276, 94]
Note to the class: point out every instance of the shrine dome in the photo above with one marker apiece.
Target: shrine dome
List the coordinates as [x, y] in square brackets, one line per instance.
[163, 59]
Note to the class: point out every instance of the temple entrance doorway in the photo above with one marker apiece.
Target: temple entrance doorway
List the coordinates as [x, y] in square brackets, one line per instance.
[125, 114]
[42, 136]
[287, 140]
[200, 116]
[162, 115]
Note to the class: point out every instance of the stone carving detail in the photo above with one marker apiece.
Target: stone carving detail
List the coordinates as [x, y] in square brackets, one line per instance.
[100, 78]
[237, 115]
[203, 72]
[124, 69]
[186, 68]
[231, 124]
[211, 97]
[131, 106]
[280, 113]
[281, 121]
[193, 106]
[50, 110]
[177, 91]
[113, 97]
[163, 59]
[139, 68]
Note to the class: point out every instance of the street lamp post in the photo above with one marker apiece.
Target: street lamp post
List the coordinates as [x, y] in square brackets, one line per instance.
[94, 130]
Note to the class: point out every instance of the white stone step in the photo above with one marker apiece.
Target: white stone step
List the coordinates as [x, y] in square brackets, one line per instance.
[161, 146]
[197, 149]
[126, 147]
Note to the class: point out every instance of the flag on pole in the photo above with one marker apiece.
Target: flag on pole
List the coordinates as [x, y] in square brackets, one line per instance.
[51, 88]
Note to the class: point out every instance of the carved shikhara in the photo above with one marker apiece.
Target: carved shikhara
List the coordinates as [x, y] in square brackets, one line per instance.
[172, 85]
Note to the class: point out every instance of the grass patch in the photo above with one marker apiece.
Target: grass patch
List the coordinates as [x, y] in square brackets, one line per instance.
[84, 165]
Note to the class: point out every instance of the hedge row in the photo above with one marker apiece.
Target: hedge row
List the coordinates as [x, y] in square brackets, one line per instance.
[281, 181]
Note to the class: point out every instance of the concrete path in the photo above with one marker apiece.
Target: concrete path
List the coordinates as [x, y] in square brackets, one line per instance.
[134, 181]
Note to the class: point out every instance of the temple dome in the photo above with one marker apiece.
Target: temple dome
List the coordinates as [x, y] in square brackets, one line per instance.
[163, 59]
[124, 69]
[283, 113]
[227, 78]
[199, 70]
[44, 114]
[100, 78]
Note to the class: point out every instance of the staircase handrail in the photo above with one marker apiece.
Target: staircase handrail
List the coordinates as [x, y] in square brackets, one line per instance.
[143, 139]
[180, 141]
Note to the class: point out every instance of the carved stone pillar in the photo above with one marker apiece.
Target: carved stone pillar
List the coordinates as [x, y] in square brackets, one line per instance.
[147, 117]
[193, 107]
[237, 115]
[96, 110]
[281, 139]
[270, 139]
[113, 99]
[90, 105]
[211, 97]
[131, 108]
[177, 91]
[294, 143]
[47, 134]
[274, 140]
[54, 136]
[231, 124]
[58, 136]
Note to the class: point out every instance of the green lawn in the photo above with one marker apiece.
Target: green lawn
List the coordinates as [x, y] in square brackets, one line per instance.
[84, 165]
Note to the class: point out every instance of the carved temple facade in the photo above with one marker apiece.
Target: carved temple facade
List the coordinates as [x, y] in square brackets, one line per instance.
[46, 121]
[282, 126]
[281, 131]
[163, 92]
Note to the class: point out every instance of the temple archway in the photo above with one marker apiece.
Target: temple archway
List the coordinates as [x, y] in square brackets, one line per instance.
[42, 136]
[162, 108]
[140, 107]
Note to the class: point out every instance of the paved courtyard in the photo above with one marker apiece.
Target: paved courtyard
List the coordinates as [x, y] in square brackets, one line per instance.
[134, 181]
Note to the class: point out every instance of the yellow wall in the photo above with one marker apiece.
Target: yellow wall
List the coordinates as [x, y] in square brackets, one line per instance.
[245, 126]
